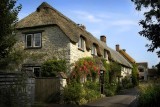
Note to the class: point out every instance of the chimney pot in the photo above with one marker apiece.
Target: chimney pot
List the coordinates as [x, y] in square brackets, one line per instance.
[103, 38]
[117, 47]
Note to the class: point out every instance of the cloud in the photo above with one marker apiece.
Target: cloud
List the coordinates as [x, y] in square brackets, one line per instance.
[87, 16]
[104, 21]
[125, 22]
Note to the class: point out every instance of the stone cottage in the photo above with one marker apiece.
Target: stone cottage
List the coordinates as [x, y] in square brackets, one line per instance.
[47, 32]
[143, 71]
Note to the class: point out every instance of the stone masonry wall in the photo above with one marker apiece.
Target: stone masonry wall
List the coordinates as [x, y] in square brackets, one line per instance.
[76, 53]
[54, 43]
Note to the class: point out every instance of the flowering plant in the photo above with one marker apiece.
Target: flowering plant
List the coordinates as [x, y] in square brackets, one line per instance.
[85, 68]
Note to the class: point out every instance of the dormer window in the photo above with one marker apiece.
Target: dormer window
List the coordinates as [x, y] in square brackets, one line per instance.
[33, 40]
[81, 43]
[105, 55]
[94, 50]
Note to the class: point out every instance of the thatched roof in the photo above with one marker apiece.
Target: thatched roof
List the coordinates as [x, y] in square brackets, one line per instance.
[46, 15]
[127, 56]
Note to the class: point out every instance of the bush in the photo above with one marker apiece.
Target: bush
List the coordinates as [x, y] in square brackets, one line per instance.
[135, 80]
[110, 89]
[149, 96]
[85, 67]
[92, 90]
[76, 93]
[51, 67]
[126, 83]
[73, 93]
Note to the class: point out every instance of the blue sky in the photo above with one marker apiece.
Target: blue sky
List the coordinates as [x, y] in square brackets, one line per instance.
[117, 19]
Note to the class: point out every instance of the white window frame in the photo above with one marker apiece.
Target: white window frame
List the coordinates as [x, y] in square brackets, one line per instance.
[94, 50]
[81, 43]
[33, 40]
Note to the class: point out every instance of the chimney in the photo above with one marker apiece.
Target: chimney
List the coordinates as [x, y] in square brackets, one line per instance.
[117, 47]
[103, 38]
[124, 50]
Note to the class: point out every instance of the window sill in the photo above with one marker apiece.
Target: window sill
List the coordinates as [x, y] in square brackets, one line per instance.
[81, 49]
[105, 59]
[33, 48]
[93, 55]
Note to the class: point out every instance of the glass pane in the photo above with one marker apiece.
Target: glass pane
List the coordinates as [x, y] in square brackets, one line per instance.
[29, 40]
[79, 43]
[37, 71]
[82, 43]
[37, 39]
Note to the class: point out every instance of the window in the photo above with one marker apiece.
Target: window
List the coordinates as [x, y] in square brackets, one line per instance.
[32, 70]
[141, 70]
[81, 43]
[94, 50]
[36, 71]
[105, 55]
[33, 40]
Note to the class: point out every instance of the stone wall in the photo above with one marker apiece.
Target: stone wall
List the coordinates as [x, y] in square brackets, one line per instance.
[76, 53]
[54, 43]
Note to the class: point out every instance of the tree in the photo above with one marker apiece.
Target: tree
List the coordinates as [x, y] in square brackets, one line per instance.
[135, 75]
[151, 23]
[8, 19]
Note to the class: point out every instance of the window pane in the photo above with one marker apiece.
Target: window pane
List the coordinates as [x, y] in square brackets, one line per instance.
[92, 50]
[82, 43]
[79, 43]
[29, 40]
[36, 71]
[37, 40]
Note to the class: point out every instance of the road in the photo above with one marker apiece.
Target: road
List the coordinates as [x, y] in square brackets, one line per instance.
[126, 98]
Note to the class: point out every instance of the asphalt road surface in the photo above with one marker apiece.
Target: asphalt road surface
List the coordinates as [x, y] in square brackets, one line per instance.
[126, 98]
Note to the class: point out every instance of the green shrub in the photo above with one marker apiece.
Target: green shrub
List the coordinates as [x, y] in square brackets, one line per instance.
[149, 96]
[76, 93]
[126, 83]
[110, 89]
[51, 67]
[135, 80]
[92, 90]
[73, 93]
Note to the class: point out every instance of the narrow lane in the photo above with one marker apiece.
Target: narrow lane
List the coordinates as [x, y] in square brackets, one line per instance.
[124, 99]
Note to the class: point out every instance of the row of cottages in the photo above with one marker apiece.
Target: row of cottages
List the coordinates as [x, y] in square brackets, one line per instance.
[48, 33]
[143, 73]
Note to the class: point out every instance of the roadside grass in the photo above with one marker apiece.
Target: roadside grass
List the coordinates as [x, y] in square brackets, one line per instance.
[149, 94]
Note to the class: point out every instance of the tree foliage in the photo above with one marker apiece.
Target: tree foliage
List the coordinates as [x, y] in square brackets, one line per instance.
[135, 75]
[151, 22]
[50, 68]
[8, 19]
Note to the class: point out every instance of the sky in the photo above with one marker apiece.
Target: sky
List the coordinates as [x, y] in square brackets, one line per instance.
[116, 19]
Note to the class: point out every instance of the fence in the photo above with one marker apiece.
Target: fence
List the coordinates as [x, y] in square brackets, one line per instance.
[33, 89]
[46, 88]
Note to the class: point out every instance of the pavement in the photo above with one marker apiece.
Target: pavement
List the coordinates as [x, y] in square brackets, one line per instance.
[126, 98]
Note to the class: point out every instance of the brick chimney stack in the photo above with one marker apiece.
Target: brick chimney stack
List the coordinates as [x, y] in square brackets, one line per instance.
[117, 47]
[103, 38]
